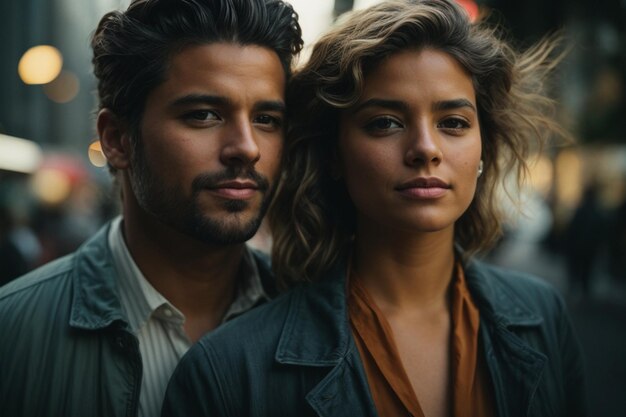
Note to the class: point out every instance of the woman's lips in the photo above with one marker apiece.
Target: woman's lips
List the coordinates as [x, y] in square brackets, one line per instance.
[424, 188]
[424, 192]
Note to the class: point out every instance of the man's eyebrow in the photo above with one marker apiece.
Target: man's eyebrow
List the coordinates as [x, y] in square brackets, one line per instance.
[211, 100]
[453, 104]
[200, 99]
[270, 105]
[379, 102]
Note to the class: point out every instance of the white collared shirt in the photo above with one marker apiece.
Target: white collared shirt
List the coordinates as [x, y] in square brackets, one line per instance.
[159, 325]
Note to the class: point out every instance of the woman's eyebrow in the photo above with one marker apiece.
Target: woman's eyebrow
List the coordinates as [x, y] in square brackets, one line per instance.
[453, 104]
[402, 106]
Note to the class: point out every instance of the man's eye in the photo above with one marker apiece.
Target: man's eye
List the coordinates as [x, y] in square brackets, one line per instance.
[382, 124]
[202, 115]
[268, 120]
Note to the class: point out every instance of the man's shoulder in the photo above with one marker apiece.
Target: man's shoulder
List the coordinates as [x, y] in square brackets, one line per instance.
[37, 283]
[57, 273]
[35, 310]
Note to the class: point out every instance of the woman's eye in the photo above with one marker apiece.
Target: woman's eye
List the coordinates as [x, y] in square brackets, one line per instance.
[454, 123]
[381, 124]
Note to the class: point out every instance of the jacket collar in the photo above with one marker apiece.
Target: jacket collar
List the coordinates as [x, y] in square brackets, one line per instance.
[496, 300]
[515, 366]
[324, 338]
[317, 332]
[95, 299]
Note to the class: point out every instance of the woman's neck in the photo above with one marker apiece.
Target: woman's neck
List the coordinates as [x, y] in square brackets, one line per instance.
[404, 271]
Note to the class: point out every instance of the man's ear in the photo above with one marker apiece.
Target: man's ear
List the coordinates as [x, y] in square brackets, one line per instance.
[114, 139]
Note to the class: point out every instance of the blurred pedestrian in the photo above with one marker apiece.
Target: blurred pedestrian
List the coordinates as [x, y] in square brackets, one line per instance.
[13, 262]
[617, 243]
[585, 238]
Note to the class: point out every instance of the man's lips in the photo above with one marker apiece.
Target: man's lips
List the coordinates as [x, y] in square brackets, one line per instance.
[424, 188]
[235, 189]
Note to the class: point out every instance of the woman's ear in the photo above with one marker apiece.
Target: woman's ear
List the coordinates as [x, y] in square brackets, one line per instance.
[114, 139]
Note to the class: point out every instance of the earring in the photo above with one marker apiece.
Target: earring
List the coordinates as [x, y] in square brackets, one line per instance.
[480, 168]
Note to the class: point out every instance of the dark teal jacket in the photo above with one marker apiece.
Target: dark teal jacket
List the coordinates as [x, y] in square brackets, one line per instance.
[296, 357]
[65, 345]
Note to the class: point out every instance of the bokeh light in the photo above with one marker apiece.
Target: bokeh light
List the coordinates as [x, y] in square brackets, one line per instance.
[19, 155]
[471, 8]
[542, 175]
[569, 177]
[40, 64]
[63, 88]
[51, 186]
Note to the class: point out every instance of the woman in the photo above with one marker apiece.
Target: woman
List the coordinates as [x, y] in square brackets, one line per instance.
[403, 122]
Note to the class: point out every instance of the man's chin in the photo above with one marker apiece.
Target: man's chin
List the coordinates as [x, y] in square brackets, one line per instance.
[226, 231]
[236, 206]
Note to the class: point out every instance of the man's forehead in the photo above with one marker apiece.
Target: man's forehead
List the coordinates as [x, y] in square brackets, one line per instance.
[225, 71]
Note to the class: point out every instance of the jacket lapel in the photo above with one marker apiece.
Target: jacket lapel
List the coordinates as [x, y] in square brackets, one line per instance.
[95, 301]
[344, 391]
[515, 367]
[317, 334]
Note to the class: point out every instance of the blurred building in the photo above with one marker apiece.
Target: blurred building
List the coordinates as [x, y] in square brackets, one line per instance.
[57, 113]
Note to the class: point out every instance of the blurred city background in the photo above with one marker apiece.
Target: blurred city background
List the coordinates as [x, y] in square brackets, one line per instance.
[55, 190]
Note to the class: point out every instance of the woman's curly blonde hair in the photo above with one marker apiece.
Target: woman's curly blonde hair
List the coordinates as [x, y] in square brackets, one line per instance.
[312, 217]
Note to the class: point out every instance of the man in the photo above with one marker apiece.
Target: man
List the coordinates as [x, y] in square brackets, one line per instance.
[191, 121]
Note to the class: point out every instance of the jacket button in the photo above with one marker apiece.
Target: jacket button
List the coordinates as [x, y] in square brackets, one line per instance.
[120, 342]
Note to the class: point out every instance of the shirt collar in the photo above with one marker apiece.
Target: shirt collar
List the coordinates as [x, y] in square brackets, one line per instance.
[250, 290]
[140, 300]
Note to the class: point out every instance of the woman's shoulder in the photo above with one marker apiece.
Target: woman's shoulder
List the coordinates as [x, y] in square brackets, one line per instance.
[262, 323]
[513, 292]
[514, 279]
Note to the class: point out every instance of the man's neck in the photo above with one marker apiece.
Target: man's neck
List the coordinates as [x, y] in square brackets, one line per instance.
[198, 279]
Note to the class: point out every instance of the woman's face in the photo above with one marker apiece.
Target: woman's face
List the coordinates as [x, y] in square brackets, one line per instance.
[409, 150]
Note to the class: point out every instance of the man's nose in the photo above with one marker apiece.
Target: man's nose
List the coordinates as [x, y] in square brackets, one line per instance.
[240, 146]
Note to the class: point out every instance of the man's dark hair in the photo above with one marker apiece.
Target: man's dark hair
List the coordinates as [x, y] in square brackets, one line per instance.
[132, 49]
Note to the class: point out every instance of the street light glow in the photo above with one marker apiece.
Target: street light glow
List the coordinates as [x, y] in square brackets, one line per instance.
[40, 64]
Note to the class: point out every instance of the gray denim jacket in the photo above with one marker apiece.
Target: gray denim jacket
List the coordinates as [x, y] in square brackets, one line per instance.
[296, 356]
[65, 345]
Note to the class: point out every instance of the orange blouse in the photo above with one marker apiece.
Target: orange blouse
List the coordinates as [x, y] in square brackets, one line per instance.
[389, 384]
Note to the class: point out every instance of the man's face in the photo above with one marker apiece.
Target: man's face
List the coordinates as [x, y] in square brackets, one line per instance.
[210, 142]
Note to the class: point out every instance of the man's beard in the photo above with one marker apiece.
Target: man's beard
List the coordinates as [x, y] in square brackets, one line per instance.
[170, 207]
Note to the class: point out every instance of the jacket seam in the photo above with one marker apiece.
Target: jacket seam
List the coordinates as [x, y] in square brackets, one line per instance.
[209, 354]
[64, 274]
